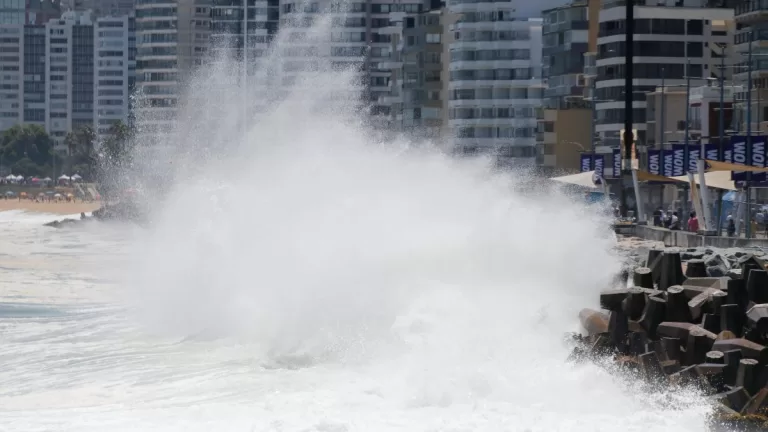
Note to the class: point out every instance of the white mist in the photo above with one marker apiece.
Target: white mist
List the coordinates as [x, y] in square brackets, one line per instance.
[305, 277]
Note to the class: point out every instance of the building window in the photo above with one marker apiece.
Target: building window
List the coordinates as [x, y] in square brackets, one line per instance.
[433, 37]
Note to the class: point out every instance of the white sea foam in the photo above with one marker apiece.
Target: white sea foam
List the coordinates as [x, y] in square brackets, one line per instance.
[314, 279]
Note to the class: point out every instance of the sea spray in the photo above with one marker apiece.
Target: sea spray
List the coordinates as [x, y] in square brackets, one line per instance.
[411, 280]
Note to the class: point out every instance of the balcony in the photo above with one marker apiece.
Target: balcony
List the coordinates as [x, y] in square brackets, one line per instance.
[751, 11]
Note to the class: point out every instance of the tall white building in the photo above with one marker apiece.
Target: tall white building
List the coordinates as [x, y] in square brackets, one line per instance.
[495, 81]
[172, 38]
[69, 50]
[360, 37]
[157, 64]
[681, 40]
[11, 74]
[114, 67]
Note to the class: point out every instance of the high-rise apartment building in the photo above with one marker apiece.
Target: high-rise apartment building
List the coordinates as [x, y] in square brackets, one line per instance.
[69, 50]
[565, 41]
[157, 64]
[682, 39]
[358, 38]
[35, 65]
[11, 74]
[114, 68]
[495, 89]
[418, 61]
[12, 12]
[752, 24]
[171, 42]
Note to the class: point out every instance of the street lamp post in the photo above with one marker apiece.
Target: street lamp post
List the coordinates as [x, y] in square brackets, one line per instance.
[629, 43]
[747, 219]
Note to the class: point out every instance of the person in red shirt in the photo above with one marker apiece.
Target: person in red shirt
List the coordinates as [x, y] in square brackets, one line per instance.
[693, 223]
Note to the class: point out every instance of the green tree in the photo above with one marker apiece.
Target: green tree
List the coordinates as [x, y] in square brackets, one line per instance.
[81, 151]
[117, 149]
[116, 157]
[29, 142]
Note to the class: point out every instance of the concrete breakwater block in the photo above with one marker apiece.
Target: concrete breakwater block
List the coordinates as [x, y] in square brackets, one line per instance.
[707, 332]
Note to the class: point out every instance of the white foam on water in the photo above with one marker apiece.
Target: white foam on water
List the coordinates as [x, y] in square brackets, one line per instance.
[311, 278]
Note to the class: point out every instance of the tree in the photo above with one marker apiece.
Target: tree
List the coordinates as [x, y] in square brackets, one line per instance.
[117, 149]
[30, 142]
[81, 148]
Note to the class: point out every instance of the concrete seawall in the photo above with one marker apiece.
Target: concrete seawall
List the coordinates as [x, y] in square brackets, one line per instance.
[687, 239]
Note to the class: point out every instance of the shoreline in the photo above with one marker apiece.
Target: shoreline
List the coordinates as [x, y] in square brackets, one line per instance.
[55, 208]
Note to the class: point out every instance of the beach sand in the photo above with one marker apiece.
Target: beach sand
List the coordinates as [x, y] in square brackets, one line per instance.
[60, 208]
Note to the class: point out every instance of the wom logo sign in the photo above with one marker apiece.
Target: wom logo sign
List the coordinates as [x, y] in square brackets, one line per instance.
[586, 162]
[693, 156]
[738, 156]
[713, 152]
[678, 160]
[616, 162]
[654, 162]
[758, 158]
[668, 164]
[599, 164]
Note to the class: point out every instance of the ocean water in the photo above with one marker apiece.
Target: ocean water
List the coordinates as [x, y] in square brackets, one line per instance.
[305, 274]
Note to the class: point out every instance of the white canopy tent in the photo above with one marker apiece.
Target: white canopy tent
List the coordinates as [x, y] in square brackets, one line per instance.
[583, 179]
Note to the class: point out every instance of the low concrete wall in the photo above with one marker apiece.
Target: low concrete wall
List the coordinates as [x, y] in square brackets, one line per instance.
[686, 239]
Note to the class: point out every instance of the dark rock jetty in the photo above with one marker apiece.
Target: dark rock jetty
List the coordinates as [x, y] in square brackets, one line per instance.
[122, 211]
[695, 317]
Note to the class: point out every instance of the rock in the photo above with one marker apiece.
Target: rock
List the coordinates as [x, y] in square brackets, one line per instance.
[748, 349]
[634, 303]
[677, 305]
[653, 315]
[716, 271]
[736, 399]
[671, 270]
[643, 277]
[747, 375]
[757, 316]
[612, 299]
[593, 321]
[757, 286]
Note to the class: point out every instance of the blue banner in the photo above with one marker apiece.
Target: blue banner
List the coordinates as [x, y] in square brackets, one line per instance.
[616, 163]
[667, 163]
[738, 156]
[678, 159]
[586, 162]
[758, 157]
[694, 153]
[654, 161]
[727, 154]
[755, 157]
[713, 152]
[598, 162]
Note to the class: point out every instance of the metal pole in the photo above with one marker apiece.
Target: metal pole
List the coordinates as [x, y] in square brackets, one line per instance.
[748, 218]
[705, 216]
[721, 133]
[629, 20]
[594, 116]
[663, 108]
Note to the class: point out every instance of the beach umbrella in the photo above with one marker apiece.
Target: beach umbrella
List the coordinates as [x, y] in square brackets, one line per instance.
[49, 192]
[47, 179]
[58, 195]
[9, 193]
[76, 177]
[64, 177]
[10, 177]
[19, 177]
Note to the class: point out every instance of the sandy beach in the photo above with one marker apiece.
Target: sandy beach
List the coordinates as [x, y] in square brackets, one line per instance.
[61, 208]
